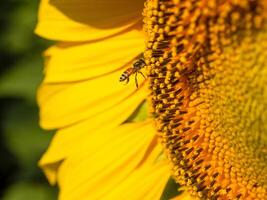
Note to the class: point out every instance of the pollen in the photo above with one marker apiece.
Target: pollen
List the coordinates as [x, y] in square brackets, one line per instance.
[207, 69]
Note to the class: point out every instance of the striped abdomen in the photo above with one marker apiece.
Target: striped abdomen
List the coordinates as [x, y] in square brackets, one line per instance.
[126, 74]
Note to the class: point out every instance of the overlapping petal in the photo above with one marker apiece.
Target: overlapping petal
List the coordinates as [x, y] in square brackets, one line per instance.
[68, 139]
[147, 183]
[98, 91]
[89, 101]
[75, 102]
[80, 61]
[102, 165]
[95, 154]
[80, 20]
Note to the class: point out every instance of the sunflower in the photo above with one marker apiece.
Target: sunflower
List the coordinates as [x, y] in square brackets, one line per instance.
[205, 89]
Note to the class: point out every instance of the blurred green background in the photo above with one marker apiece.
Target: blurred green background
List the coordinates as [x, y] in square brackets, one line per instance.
[22, 142]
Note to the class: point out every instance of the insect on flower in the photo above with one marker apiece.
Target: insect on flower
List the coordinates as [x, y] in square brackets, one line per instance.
[135, 69]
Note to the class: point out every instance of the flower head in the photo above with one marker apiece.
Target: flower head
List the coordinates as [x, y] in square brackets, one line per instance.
[208, 69]
[206, 64]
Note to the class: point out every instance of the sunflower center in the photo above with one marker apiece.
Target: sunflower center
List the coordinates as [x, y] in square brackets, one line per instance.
[207, 65]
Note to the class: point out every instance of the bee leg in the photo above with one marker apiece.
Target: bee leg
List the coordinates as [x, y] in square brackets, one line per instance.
[142, 75]
[136, 82]
[127, 81]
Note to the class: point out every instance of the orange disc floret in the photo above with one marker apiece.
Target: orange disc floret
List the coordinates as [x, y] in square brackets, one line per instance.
[207, 66]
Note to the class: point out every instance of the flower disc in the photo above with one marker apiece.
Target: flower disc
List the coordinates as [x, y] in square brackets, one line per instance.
[207, 63]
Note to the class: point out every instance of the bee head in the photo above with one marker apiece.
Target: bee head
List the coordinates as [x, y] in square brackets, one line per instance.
[139, 64]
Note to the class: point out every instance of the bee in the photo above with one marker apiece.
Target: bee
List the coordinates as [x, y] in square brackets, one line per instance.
[135, 69]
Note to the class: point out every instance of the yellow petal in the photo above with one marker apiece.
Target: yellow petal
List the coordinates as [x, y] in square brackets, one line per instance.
[146, 183]
[102, 161]
[79, 61]
[63, 102]
[69, 136]
[71, 141]
[83, 20]
[84, 100]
